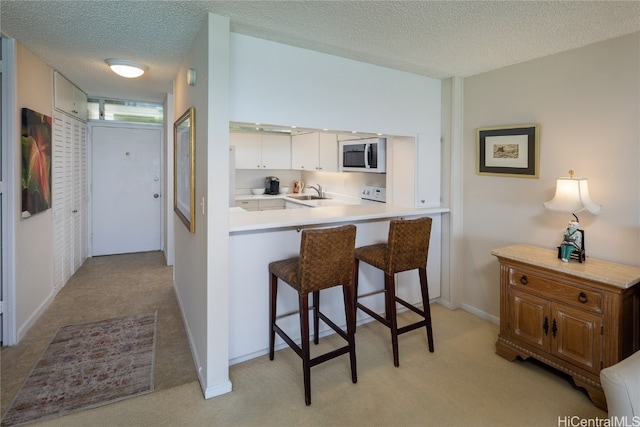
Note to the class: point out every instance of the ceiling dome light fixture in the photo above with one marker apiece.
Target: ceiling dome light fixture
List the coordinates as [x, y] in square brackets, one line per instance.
[124, 68]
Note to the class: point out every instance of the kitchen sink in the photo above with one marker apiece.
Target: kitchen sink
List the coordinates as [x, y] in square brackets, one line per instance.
[306, 197]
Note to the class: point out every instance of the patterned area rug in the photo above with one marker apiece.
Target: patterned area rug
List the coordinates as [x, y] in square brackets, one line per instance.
[86, 366]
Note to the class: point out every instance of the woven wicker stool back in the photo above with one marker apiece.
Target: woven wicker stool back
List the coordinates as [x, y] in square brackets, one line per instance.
[326, 260]
[407, 248]
[408, 244]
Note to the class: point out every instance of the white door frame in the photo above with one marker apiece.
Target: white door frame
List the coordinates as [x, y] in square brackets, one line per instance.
[102, 123]
[9, 184]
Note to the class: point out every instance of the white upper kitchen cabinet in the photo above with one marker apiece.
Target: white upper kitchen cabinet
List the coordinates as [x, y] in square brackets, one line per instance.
[69, 98]
[276, 151]
[328, 152]
[261, 151]
[314, 152]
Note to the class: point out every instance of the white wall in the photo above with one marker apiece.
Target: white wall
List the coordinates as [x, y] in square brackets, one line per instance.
[273, 83]
[587, 102]
[34, 256]
[168, 244]
[201, 259]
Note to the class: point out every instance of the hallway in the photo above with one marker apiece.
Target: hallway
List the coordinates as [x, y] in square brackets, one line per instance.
[103, 288]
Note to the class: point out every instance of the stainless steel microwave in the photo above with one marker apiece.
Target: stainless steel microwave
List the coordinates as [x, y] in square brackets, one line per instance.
[363, 155]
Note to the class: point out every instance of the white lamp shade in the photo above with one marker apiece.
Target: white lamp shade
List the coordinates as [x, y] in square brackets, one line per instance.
[572, 195]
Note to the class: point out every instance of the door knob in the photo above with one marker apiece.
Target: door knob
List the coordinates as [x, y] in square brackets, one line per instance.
[155, 196]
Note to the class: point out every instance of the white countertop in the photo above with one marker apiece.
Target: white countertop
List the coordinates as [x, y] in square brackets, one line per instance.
[262, 196]
[323, 214]
[330, 201]
[618, 275]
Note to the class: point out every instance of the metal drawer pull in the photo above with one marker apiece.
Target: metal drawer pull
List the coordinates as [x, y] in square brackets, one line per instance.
[524, 280]
[583, 297]
[545, 325]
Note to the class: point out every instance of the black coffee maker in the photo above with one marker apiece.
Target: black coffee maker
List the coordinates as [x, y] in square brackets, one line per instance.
[271, 185]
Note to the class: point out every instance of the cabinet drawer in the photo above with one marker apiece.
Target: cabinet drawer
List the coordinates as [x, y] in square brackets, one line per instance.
[582, 298]
[250, 205]
[271, 204]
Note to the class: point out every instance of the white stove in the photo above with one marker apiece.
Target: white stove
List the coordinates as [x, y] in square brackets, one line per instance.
[373, 194]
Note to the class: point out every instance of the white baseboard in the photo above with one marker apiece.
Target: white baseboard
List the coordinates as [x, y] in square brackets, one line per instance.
[217, 389]
[481, 314]
[22, 330]
[207, 391]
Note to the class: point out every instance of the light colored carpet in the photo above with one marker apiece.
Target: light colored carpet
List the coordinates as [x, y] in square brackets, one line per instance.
[464, 383]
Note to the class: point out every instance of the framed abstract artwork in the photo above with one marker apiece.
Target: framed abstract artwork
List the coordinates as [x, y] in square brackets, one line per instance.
[184, 164]
[36, 162]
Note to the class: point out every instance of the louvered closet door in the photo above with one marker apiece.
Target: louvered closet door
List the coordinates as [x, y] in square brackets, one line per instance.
[69, 197]
[61, 194]
[79, 194]
[57, 197]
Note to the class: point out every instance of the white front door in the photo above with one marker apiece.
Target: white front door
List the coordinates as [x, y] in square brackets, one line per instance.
[126, 200]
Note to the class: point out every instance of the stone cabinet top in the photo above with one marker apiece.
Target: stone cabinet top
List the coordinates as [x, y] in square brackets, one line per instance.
[619, 275]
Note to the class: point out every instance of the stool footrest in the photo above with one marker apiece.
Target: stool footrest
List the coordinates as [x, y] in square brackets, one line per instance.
[374, 315]
[385, 322]
[379, 291]
[338, 352]
[411, 307]
[328, 356]
[412, 326]
[288, 340]
[333, 326]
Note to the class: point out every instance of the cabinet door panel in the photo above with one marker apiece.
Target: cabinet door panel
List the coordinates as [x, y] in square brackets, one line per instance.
[265, 205]
[304, 151]
[328, 157]
[63, 94]
[80, 103]
[248, 150]
[276, 151]
[249, 205]
[529, 316]
[578, 338]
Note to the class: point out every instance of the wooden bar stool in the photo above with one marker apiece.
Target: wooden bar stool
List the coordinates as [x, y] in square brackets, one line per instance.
[326, 260]
[407, 248]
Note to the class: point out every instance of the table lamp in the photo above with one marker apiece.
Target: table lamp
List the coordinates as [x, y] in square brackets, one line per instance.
[572, 195]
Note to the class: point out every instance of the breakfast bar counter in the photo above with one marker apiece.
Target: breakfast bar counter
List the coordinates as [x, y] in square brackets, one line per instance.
[327, 211]
[257, 238]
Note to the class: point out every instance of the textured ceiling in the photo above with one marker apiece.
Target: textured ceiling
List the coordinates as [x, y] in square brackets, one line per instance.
[433, 38]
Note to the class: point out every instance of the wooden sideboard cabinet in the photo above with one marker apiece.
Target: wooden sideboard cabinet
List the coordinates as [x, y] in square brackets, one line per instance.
[576, 317]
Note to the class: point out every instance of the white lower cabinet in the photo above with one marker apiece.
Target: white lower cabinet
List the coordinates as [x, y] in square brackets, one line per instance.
[293, 205]
[267, 205]
[261, 205]
[69, 196]
[248, 205]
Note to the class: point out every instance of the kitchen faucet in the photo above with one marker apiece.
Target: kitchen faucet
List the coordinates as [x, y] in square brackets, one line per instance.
[318, 188]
